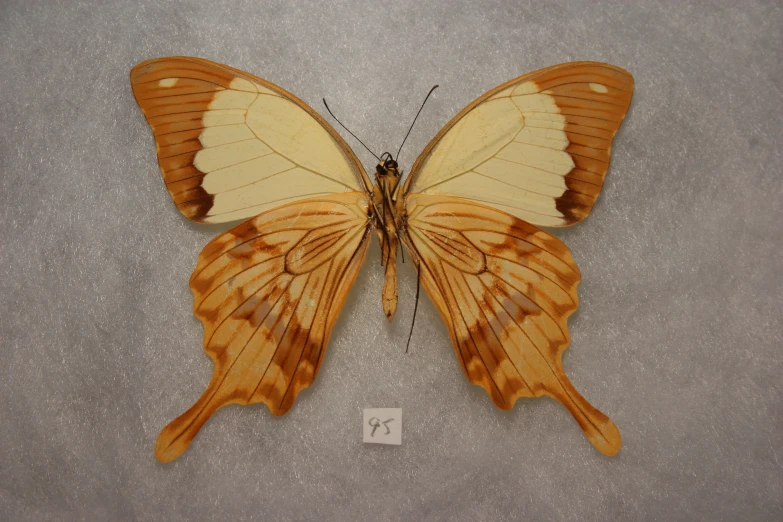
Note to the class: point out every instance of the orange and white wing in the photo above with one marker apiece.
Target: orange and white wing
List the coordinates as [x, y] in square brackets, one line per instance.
[268, 293]
[536, 147]
[231, 145]
[505, 290]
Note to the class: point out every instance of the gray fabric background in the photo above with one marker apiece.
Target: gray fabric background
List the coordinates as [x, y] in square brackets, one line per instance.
[678, 338]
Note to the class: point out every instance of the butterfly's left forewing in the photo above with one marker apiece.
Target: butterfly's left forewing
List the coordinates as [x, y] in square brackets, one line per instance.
[231, 145]
[268, 293]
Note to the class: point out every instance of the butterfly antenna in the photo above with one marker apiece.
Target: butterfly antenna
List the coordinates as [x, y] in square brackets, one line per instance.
[349, 132]
[415, 308]
[414, 119]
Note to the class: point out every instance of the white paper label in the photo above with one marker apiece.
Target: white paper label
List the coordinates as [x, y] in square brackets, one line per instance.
[382, 426]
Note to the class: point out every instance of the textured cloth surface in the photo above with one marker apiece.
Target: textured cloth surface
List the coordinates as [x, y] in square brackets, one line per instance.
[678, 337]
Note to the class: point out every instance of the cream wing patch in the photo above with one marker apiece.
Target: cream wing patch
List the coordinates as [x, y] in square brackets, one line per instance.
[231, 146]
[482, 156]
[168, 82]
[537, 147]
[245, 161]
[295, 135]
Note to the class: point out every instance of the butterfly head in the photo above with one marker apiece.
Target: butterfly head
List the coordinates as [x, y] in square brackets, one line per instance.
[387, 166]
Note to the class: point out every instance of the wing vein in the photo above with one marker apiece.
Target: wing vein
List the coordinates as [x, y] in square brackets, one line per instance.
[327, 280]
[295, 162]
[486, 318]
[223, 378]
[243, 302]
[257, 236]
[473, 340]
[282, 336]
[564, 331]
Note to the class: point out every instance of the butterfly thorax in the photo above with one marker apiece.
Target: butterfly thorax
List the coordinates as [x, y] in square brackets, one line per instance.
[387, 209]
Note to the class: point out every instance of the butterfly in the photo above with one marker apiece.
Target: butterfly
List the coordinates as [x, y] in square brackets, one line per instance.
[530, 153]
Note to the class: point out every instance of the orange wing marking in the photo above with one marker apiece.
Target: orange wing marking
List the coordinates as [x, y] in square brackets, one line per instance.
[505, 290]
[268, 293]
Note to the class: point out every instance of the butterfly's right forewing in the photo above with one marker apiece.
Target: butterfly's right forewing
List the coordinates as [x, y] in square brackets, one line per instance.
[536, 147]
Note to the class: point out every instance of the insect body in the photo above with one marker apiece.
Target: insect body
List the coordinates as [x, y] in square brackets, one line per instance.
[385, 201]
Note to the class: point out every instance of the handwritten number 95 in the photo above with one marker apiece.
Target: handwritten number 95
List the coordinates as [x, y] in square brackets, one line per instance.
[376, 423]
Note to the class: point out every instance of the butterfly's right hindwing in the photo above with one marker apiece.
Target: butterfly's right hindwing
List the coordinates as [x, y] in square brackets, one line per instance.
[505, 290]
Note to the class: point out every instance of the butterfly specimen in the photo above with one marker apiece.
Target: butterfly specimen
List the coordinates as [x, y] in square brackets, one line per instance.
[530, 153]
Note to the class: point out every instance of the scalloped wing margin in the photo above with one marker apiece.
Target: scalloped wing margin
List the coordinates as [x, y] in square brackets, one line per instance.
[505, 290]
[268, 293]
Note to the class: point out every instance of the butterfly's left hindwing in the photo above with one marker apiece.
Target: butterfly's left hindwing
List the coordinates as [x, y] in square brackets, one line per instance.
[268, 293]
